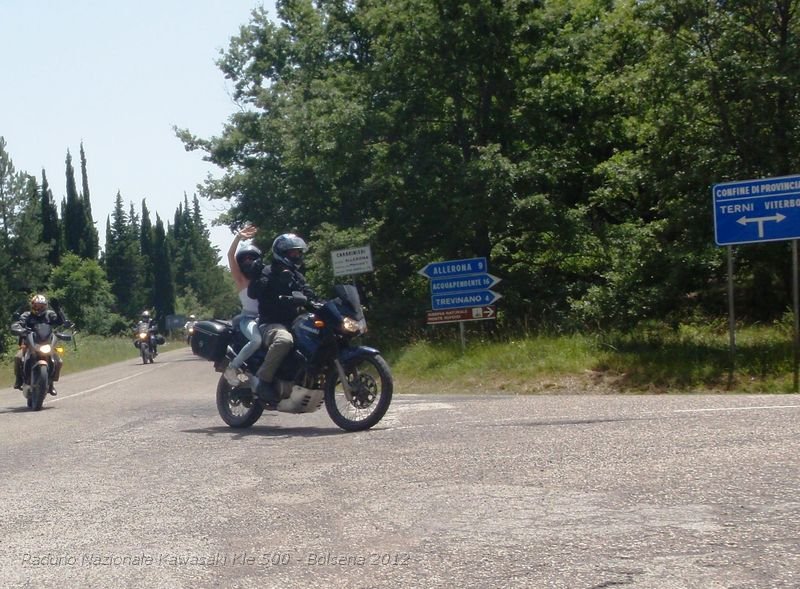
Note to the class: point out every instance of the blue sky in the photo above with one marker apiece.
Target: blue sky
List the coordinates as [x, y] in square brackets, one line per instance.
[118, 75]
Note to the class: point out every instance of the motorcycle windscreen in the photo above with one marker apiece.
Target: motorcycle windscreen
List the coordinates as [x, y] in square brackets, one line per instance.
[350, 301]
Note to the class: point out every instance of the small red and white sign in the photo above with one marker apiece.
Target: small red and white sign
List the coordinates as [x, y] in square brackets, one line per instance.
[457, 315]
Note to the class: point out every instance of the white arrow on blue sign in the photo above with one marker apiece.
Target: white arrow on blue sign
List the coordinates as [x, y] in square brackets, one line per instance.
[465, 299]
[454, 268]
[463, 283]
[753, 211]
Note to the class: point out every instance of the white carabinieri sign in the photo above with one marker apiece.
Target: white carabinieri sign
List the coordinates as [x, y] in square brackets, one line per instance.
[355, 260]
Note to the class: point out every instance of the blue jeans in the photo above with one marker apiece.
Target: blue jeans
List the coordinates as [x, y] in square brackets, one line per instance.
[249, 327]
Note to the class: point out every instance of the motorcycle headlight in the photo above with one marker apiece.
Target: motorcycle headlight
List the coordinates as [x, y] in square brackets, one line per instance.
[142, 335]
[351, 326]
[45, 349]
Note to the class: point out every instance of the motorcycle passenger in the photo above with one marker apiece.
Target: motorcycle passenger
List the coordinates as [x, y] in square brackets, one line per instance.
[242, 263]
[39, 313]
[152, 329]
[275, 316]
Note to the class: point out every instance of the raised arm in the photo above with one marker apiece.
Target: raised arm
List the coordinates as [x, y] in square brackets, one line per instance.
[236, 272]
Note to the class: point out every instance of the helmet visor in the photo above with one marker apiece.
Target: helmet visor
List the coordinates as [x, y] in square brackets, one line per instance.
[295, 255]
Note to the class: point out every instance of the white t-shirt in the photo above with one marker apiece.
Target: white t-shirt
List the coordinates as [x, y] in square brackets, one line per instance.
[249, 306]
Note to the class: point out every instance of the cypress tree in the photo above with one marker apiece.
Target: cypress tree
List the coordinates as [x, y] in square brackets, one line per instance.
[90, 238]
[163, 278]
[30, 268]
[74, 216]
[51, 228]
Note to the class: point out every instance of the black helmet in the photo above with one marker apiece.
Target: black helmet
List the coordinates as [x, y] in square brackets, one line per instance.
[246, 257]
[288, 249]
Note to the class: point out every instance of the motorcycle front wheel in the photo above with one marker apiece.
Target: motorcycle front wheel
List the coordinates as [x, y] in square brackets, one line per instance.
[236, 406]
[371, 383]
[40, 384]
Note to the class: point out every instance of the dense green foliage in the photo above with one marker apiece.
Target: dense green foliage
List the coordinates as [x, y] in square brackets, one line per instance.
[169, 270]
[572, 142]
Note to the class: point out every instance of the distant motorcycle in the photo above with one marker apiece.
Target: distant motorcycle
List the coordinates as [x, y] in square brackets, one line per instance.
[144, 340]
[189, 332]
[41, 361]
[354, 382]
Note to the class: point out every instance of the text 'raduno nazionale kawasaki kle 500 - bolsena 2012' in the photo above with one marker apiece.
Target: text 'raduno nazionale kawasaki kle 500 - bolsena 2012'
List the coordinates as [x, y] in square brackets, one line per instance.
[354, 382]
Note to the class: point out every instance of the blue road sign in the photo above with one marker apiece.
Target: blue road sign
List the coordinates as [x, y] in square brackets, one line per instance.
[454, 268]
[477, 298]
[753, 211]
[463, 283]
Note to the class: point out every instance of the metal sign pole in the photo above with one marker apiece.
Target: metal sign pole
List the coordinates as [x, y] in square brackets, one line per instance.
[731, 318]
[463, 338]
[796, 298]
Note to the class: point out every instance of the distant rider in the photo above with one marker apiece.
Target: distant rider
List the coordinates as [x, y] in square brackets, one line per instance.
[39, 313]
[190, 323]
[275, 315]
[152, 329]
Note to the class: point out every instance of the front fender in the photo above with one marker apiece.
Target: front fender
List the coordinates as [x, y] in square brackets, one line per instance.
[347, 355]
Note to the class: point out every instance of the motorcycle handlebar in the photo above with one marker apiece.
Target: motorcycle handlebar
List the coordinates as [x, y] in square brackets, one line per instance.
[300, 299]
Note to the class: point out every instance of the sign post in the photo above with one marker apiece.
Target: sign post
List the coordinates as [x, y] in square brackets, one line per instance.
[460, 291]
[757, 211]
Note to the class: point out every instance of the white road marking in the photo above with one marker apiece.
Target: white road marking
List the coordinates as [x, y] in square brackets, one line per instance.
[104, 385]
[736, 408]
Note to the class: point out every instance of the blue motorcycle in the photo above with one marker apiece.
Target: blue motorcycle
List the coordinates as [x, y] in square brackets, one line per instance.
[354, 382]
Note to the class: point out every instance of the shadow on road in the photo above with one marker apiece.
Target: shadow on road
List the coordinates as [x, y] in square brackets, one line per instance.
[266, 432]
[587, 421]
[23, 409]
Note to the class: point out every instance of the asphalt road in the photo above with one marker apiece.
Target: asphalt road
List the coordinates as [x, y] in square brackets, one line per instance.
[130, 479]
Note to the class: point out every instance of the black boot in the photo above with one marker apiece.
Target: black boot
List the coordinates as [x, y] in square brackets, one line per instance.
[266, 392]
[18, 383]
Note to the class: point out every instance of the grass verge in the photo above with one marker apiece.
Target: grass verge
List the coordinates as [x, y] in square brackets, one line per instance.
[651, 359]
[90, 351]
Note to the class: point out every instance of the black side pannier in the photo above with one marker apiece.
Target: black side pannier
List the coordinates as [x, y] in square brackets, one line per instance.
[210, 339]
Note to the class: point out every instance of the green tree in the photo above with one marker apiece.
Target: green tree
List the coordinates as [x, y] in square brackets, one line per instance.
[73, 214]
[124, 263]
[31, 271]
[163, 277]
[90, 238]
[85, 293]
[51, 227]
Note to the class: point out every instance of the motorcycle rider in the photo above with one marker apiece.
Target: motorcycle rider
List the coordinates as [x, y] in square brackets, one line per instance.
[190, 323]
[187, 328]
[275, 315]
[152, 329]
[241, 263]
[39, 313]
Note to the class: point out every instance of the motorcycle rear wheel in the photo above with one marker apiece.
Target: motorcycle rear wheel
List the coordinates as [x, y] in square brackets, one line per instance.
[40, 384]
[372, 384]
[238, 411]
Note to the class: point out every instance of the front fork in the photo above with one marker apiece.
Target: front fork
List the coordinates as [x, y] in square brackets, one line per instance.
[348, 390]
[349, 354]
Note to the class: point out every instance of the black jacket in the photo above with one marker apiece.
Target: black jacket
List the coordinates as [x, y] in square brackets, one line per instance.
[28, 320]
[273, 282]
